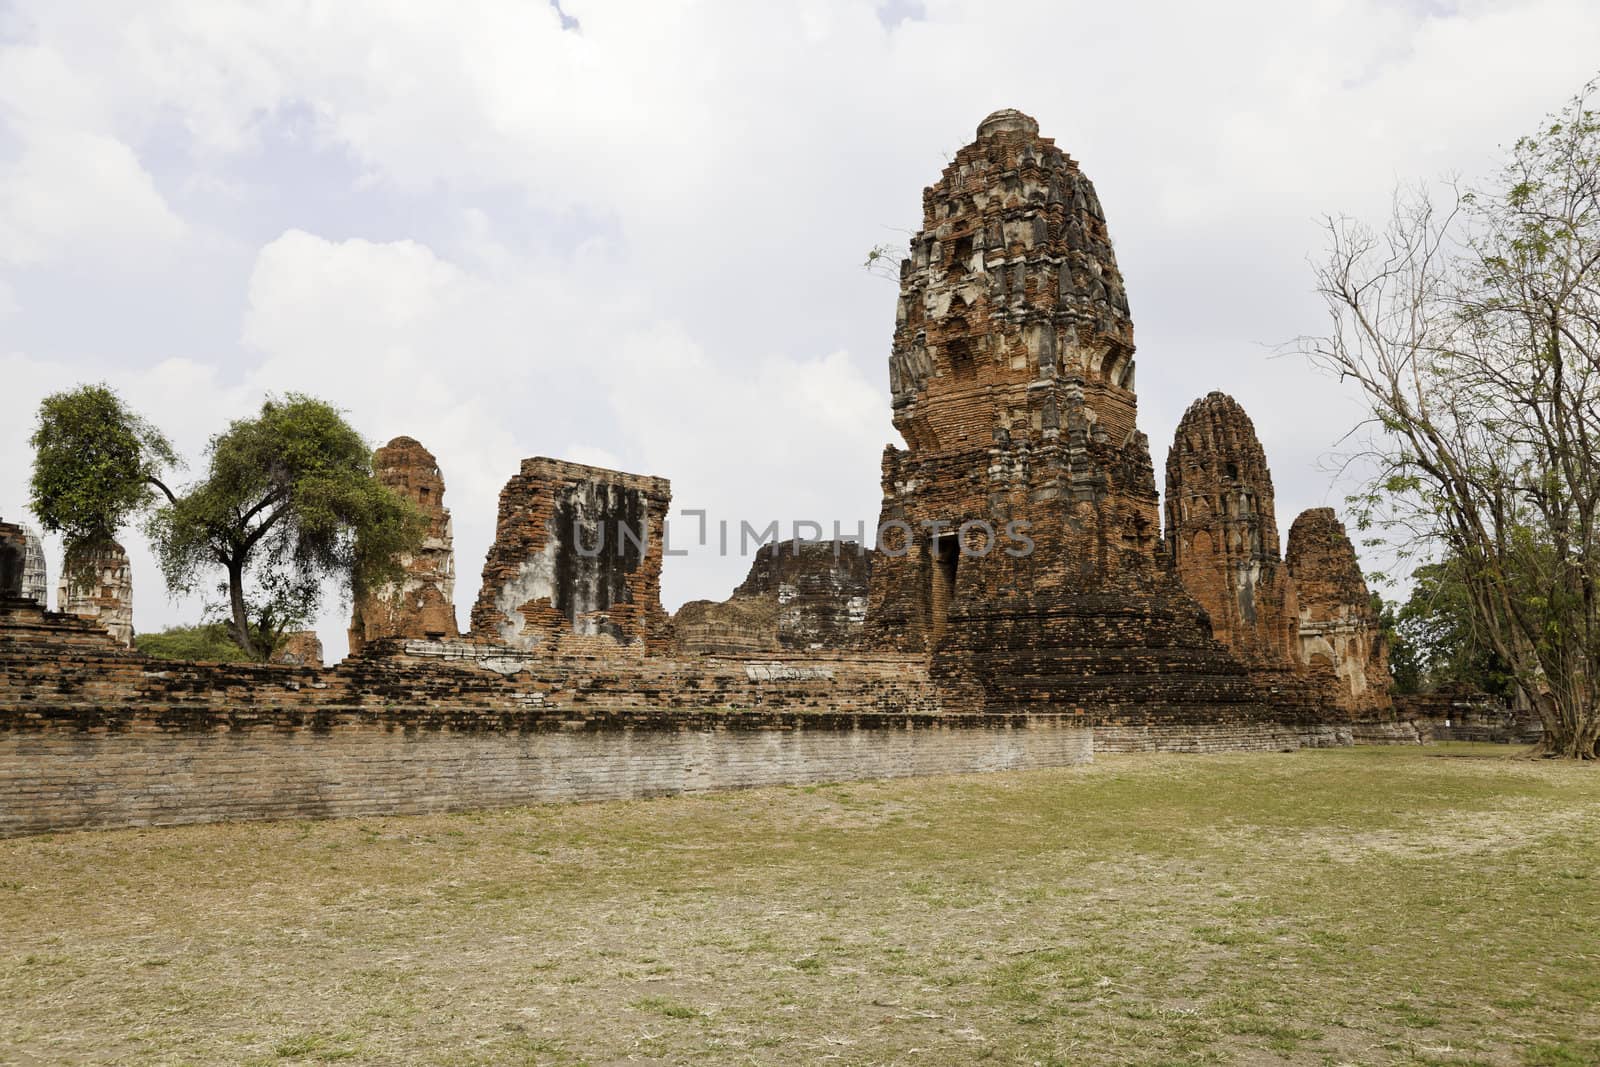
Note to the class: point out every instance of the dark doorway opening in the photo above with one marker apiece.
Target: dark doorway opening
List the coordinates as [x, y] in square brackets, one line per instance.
[945, 552]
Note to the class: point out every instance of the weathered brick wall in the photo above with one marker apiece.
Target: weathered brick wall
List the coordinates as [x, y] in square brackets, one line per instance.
[157, 772]
[92, 735]
[1463, 713]
[577, 549]
[95, 735]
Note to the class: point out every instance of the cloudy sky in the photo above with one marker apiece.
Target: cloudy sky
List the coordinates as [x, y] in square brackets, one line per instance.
[629, 232]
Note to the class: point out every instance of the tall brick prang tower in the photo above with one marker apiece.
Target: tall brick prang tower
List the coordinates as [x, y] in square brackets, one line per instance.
[1012, 377]
[1222, 533]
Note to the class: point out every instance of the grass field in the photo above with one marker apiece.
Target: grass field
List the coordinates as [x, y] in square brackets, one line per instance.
[1437, 905]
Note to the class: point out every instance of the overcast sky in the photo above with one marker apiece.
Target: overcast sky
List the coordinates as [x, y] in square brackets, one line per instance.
[630, 233]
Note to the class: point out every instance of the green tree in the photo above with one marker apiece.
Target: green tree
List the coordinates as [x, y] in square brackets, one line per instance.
[95, 464]
[1405, 667]
[1473, 332]
[288, 500]
[1438, 622]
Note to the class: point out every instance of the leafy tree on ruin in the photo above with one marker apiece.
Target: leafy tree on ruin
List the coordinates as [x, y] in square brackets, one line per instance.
[96, 464]
[1471, 324]
[288, 501]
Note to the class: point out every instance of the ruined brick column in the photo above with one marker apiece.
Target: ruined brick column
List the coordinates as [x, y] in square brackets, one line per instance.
[422, 604]
[97, 583]
[1338, 627]
[577, 550]
[1012, 378]
[1222, 532]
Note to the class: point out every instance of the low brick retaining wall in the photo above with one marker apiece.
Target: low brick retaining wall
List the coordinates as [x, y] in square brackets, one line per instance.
[152, 772]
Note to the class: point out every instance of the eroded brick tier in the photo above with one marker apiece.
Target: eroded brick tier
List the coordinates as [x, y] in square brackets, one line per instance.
[1012, 382]
[577, 551]
[799, 595]
[422, 604]
[1339, 627]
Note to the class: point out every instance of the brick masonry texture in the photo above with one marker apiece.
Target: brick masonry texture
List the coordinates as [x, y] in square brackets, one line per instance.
[1222, 543]
[577, 550]
[94, 736]
[422, 604]
[1012, 379]
[13, 560]
[799, 595]
[1339, 627]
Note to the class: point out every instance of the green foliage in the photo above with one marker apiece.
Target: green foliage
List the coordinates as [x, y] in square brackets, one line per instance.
[1405, 667]
[95, 463]
[1438, 626]
[209, 642]
[1473, 331]
[288, 500]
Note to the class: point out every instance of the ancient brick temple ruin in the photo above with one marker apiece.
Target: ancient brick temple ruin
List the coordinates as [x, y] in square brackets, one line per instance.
[1012, 376]
[1222, 532]
[799, 596]
[1305, 629]
[1339, 627]
[97, 583]
[1021, 609]
[577, 551]
[422, 604]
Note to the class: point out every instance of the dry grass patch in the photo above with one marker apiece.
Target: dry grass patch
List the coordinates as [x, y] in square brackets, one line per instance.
[1357, 906]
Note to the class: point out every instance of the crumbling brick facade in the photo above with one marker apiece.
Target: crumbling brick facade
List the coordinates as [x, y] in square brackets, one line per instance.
[1013, 386]
[422, 604]
[97, 583]
[799, 595]
[1339, 629]
[577, 551]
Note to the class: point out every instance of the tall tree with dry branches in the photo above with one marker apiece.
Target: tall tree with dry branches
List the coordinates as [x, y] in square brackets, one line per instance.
[1471, 325]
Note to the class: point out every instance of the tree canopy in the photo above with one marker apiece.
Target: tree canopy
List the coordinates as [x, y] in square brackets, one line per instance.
[95, 463]
[1471, 324]
[288, 501]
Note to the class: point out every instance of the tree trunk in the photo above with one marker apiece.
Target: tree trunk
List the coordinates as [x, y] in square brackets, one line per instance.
[241, 619]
